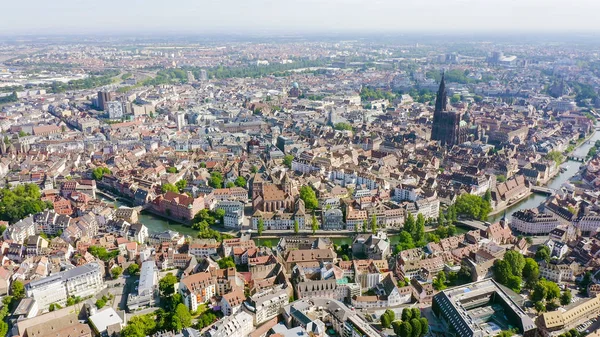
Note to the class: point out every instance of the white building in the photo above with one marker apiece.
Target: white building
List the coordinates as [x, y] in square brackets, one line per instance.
[529, 222]
[146, 288]
[82, 281]
[268, 304]
[21, 230]
[238, 325]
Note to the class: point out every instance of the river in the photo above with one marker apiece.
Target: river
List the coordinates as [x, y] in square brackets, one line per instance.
[157, 224]
[534, 200]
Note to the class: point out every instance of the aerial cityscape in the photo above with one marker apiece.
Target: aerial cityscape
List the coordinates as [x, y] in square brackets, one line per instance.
[255, 181]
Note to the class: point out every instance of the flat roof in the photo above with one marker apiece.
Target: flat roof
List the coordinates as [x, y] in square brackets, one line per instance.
[103, 319]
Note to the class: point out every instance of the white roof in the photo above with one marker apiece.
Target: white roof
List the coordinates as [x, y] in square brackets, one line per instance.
[105, 318]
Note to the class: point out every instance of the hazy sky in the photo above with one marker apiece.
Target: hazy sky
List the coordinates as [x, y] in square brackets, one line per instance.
[296, 16]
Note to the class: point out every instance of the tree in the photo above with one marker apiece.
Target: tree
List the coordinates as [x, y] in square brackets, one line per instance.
[260, 226]
[287, 160]
[406, 314]
[472, 206]
[184, 316]
[565, 297]
[172, 169]
[440, 281]
[100, 303]
[215, 180]
[502, 271]
[133, 269]
[387, 318]
[166, 285]
[314, 225]
[226, 262]
[500, 178]
[553, 291]
[181, 185]
[405, 242]
[254, 169]
[539, 291]
[424, 326]
[307, 194]
[343, 127]
[416, 327]
[543, 253]
[516, 261]
[116, 272]
[409, 224]
[539, 307]
[531, 272]
[240, 182]
[169, 188]
[230, 184]
[556, 156]
[364, 226]
[441, 220]
[514, 283]
[416, 313]
[405, 329]
[99, 172]
[396, 325]
[17, 290]
[488, 196]
[296, 227]
[373, 224]
[419, 231]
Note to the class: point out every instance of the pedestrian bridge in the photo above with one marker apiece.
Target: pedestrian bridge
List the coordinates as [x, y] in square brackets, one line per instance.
[577, 158]
[473, 224]
[542, 190]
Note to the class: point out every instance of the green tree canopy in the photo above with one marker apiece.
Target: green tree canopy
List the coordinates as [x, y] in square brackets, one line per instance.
[240, 182]
[543, 253]
[166, 285]
[133, 269]
[472, 206]
[99, 172]
[169, 188]
[516, 261]
[308, 195]
[17, 290]
[215, 180]
[181, 185]
[287, 160]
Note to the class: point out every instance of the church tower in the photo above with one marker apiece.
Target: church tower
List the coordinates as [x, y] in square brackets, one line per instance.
[448, 127]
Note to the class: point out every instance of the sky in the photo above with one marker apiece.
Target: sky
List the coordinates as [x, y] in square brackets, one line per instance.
[297, 16]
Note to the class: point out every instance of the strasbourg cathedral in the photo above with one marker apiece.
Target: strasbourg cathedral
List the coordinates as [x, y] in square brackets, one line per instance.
[450, 127]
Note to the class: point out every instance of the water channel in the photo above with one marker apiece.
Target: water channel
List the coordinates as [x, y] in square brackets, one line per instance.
[571, 169]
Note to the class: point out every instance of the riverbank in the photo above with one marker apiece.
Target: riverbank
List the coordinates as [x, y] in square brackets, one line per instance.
[533, 200]
[511, 204]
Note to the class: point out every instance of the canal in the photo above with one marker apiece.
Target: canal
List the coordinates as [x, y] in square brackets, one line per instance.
[157, 224]
[534, 200]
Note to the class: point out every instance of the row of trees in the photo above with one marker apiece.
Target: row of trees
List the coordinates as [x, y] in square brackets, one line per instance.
[410, 325]
[98, 80]
[258, 71]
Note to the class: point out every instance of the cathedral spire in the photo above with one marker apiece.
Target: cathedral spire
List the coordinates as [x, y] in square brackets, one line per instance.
[441, 100]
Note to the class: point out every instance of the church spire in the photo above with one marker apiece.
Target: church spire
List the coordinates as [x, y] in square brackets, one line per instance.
[441, 100]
